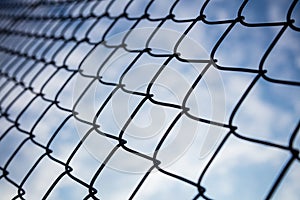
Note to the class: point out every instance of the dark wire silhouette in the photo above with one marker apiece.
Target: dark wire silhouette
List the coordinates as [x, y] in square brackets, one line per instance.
[52, 25]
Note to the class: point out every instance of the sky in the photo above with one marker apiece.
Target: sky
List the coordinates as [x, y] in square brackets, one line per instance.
[270, 111]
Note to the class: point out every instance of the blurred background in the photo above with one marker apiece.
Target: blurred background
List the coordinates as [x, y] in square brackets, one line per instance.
[149, 99]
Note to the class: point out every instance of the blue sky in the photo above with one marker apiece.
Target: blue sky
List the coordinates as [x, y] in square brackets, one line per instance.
[241, 169]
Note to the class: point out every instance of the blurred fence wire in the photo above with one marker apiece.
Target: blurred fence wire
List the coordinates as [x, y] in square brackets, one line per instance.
[48, 46]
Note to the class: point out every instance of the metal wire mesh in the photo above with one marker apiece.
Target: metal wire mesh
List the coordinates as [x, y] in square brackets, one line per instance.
[45, 46]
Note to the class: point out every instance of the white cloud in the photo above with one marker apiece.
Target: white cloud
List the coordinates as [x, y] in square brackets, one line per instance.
[289, 187]
[239, 165]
